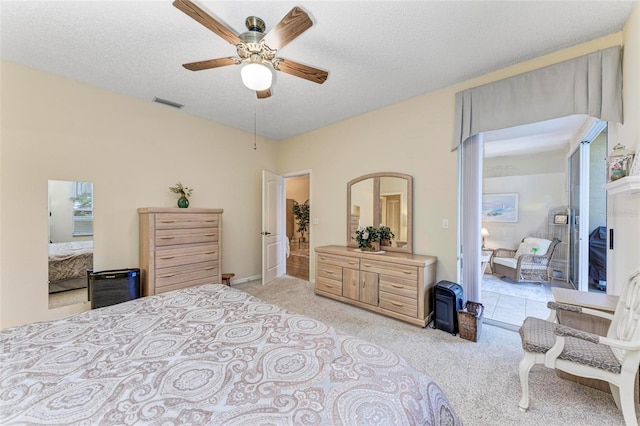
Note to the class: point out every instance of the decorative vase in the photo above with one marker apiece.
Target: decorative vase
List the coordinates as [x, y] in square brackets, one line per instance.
[183, 202]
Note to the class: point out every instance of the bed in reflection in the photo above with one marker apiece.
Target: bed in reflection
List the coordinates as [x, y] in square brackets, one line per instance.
[206, 355]
[68, 264]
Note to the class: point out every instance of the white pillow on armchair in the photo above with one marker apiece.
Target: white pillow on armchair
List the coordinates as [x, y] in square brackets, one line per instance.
[528, 244]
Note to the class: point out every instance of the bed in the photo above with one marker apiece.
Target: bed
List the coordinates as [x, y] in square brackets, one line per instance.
[68, 262]
[206, 355]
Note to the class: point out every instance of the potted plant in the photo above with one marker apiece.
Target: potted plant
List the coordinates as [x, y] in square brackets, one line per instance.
[185, 193]
[368, 238]
[386, 235]
[301, 213]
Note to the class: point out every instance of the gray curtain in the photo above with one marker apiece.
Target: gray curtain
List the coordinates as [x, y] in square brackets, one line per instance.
[470, 223]
[590, 84]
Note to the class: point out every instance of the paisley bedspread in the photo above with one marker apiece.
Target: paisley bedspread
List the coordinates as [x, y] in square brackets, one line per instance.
[70, 260]
[206, 355]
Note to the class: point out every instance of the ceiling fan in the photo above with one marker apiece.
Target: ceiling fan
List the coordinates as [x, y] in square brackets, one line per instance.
[256, 49]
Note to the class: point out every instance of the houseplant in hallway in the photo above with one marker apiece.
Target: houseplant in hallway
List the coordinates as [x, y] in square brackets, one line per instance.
[301, 213]
[185, 193]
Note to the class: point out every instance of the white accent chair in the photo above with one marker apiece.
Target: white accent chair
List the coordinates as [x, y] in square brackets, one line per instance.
[614, 358]
[530, 262]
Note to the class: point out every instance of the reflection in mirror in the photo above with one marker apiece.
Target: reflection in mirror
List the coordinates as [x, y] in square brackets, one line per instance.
[393, 207]
[361, 205]
[70, 241]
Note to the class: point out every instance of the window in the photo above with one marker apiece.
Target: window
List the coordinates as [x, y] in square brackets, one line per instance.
[82, 208]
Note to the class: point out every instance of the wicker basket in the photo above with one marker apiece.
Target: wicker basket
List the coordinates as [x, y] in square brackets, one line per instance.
[470, 321]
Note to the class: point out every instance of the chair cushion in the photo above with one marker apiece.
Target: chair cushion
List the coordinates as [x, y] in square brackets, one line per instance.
[538, 336]
[528, 244]
[509, 262]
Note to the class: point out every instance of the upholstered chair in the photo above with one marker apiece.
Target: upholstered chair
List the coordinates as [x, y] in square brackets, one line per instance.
[529, 262]
[614, 358]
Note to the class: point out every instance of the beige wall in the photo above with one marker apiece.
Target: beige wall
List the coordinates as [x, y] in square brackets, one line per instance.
[55, 128]
[410, 137]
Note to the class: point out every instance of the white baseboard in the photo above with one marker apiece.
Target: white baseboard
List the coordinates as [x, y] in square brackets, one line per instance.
[246, 280]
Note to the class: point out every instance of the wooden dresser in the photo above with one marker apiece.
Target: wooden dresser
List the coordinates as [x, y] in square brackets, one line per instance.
[179, 248]
[399, 285]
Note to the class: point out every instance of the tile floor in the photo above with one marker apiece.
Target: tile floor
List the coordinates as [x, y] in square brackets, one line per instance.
[510, 303]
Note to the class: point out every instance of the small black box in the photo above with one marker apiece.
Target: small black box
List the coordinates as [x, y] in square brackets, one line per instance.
[113, 286]
[447, 302]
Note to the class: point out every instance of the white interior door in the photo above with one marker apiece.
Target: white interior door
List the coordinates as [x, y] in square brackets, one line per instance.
[273, 226]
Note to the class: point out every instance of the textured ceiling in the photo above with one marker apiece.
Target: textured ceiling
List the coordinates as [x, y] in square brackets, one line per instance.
[377, 53]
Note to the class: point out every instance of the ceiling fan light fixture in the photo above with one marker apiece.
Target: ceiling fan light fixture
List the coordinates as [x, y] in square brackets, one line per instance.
[256, 76]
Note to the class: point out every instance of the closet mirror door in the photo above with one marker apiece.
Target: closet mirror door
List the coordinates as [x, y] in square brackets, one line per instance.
[381, 199]
[70, 241]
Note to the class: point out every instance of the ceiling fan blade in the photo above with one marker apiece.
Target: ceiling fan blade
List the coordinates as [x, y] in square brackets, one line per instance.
[302, 71]
[207, 20]
[263, 93]
[291, 26]
[211, 63]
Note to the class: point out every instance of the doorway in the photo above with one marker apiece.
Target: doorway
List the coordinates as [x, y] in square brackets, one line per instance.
[588, 211]
[297, 225]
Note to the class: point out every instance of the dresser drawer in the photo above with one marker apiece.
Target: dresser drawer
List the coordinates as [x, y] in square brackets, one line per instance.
[391, 269]
[329, 286]
[169, 237]
[400, 304]
[343, 261]
[184, 284]
[329, 270]
[190, 272]
[190, 220]
[184, 255]
[399, 286]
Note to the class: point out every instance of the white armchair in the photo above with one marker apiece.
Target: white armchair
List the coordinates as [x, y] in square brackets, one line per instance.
[530, 262]
[614, 358]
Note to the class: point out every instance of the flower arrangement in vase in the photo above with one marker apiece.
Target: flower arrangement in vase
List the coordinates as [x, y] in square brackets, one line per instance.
[368, 238]
[386, 235]
[185, 193]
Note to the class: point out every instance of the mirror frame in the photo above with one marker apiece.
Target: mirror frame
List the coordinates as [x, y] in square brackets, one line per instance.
[376, 207]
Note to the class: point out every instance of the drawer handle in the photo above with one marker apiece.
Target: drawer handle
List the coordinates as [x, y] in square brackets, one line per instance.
[167, 221]
[167, 275]
[167, 238]
[352, 263]
[323, 258]
[368, 265]
[400, 305]
[209, 235]
[406, 272]
[397, 286]
[167, 257]
[210, 221]
[328, 272]
[209, 252]
[209, 268]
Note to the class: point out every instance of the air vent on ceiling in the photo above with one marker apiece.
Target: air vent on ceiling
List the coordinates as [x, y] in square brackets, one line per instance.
[168, 103]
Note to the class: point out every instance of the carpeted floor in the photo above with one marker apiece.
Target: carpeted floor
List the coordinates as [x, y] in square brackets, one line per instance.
[480, 379]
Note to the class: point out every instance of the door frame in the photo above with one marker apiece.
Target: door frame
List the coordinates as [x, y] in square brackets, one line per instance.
[312, 221]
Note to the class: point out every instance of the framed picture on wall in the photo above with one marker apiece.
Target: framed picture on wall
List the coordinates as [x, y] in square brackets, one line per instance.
[561, 219]
[500, 207]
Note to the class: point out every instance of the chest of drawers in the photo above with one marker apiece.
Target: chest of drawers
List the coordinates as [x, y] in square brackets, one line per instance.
[179, 248]
[399, 285]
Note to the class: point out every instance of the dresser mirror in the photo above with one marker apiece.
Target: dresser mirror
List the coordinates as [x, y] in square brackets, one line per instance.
[381, 198]
[70, 241]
